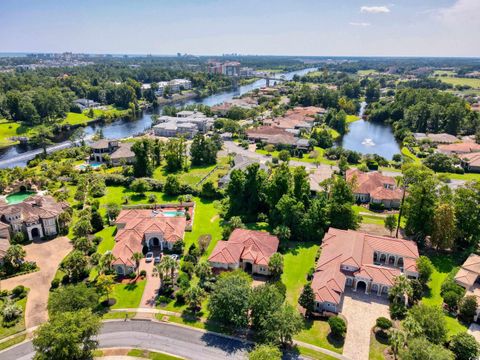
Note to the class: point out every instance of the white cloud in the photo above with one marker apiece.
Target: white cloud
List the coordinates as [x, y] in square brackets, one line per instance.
[460, 12]
[375, 9]
[360, 24]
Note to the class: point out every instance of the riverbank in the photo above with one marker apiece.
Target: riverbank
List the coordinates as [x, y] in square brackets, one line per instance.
[187, 95]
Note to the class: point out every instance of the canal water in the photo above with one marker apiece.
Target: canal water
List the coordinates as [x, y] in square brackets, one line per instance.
[20, 155]
[370, 138]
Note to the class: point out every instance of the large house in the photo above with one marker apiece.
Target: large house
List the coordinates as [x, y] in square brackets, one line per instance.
[375, 188]
[117, 151]
[247, 249]
[364, 262]
[186, 123]
[139, 228]
[470, 161]
[469, 278]
[36, 216]
[459, 148]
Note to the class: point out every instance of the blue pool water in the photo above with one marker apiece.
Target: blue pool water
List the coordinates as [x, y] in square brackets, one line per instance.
[173, 213]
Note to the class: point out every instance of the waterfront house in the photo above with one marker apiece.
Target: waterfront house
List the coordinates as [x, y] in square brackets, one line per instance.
[117, 151]
[362, 262]
[468, 277]
[249, 250]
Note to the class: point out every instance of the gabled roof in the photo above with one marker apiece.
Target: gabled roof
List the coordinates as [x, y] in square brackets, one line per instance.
[469, 271]
[255, 246]
[367, 182]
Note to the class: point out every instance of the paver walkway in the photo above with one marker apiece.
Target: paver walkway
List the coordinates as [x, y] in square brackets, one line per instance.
[47, 255]
[361, 311]
[151, 287]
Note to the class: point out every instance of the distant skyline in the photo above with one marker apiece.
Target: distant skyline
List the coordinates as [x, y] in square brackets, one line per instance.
[268, 27]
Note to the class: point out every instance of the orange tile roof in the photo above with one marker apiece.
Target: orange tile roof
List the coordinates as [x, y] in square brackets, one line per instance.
[460, 148]
[469, 271]
[243, 244]
[356, 250]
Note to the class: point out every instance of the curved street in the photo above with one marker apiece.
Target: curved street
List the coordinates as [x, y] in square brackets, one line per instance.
[176, 340]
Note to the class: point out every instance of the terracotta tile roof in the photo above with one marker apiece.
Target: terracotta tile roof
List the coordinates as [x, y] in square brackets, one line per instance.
[366, 182]
[356, 250]
[272, 135]
[243, 244]
[473, 159]
[35, 208]
[382, 193]
[469, 271]
[136, 223]
[460, 148]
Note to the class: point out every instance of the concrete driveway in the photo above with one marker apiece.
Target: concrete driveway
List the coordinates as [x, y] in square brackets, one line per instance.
[361, 312]
[47, 255]
[152, 285]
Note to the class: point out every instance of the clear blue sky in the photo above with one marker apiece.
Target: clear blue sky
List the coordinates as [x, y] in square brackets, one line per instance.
[291, 27]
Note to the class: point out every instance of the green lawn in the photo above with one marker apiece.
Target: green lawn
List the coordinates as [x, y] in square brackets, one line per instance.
[377, 347]
[352, 118]
[367, 72]
[444, 73]
[118, 315]
[108, 239]
[443, 265]
[406, 152]
[76, 119]
[317, 332]
[13, 341]
[9, 129]
[196, 173]
[474, 83]
[466, 176]
[153, 355]
[127, 295]
[312, 354]
[308, 157]
[19, 326]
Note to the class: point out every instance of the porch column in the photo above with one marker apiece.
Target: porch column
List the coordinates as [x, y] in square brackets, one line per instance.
[379, 291]
[368, 287]
[396, 261]
[354, 284]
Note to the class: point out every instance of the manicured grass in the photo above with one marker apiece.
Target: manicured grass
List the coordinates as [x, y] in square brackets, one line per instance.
[108, 239]
[443, 265]
[352, 118]
[196, 173]
[77, 119]
[317, 332]
[377, 347]
[118, 315]
[297, 262]
[312, 354]
[153, 355]
[19, 325]
[308, 158]
[444, 73]
[367, 72]
[474, 83]
[466, 176]
[406, 152]
[10, 129]
[13, 341]
[128, 295]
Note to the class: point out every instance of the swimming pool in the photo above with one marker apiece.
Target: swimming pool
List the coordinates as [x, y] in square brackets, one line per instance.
[173, 213]
[18, 197]
[92, 165]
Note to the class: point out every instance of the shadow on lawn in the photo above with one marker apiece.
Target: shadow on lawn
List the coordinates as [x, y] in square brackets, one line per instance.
[336, 342]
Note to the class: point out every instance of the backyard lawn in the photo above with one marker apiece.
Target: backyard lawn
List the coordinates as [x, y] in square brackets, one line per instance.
[108, 240]
[76, 119]
[9, 129]
[320, 158]
[443, 266]
[317, 332]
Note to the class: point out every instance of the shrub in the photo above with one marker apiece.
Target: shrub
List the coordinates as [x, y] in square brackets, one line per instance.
[383, 323]
[183, 281]
[132, 275]
[143, 273]
[464, 346]
[19, 292]
[10, 313]
[397, 310]
[203, 242]
[451, 299]
[188, 268]
[467, 308]
[55, 283]
[337, 326]
[152, 198]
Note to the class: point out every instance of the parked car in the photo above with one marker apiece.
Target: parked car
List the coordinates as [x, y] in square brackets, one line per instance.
[149, 257]
[156, 260]
[174, 257]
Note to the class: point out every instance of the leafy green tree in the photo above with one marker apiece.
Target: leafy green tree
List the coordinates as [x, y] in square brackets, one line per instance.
[42, 138]
[68, 335]
[316, 219]
[265, 352]
[230, 299]
[203, 151]
[284, 155]
[235, 222]
[282, 325]
[136, 257]
[15, 255]
[140, 186]
[421, 349]
[464, 346]
[275, 266]
[467, 210]
[113, 210]
[265, 300]
[397, 342]
[82, 227]
[289, 212]
[282, 232]
[307, 299]
[444, 230]
[75, 265]
[105, 263]
[390, 223]
[301, 184]
[142, 167]
[338, 327]
[96, 220]
[279, 184]
[432, 322]
[425, 269]
[175, 154]
[467, 308]
[104, 284]
[72, 298]
[172, 185]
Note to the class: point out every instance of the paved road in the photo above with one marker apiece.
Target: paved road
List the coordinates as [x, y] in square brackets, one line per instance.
[47, 255]
[180, 341]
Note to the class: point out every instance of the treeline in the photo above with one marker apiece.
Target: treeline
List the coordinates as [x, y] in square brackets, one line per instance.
[425, 110]
[282, 197]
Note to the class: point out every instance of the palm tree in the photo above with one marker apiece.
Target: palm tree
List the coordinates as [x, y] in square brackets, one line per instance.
[161, 269]
[402, 289]
[194, 296]
[170, 265]
[397, 342]
[137, 257]
[15, 255]
[106, 261]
